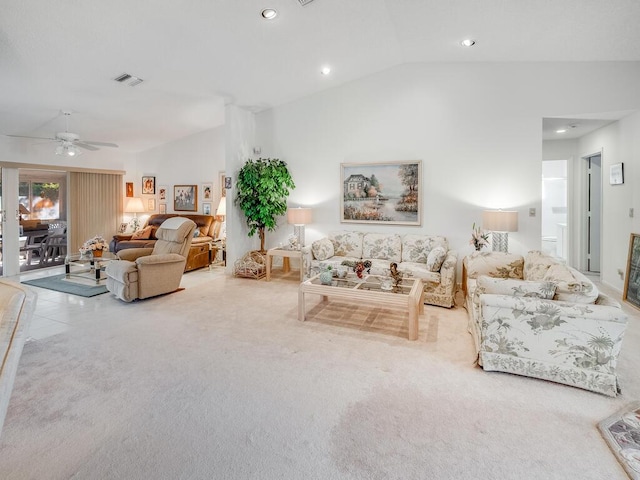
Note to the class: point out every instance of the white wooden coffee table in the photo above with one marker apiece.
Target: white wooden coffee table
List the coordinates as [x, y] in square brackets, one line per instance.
[409, 295]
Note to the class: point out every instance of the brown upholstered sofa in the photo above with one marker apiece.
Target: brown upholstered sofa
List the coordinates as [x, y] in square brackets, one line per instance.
[208, 228]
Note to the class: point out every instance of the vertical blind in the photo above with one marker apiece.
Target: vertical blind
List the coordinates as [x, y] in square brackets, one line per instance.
[95, 206]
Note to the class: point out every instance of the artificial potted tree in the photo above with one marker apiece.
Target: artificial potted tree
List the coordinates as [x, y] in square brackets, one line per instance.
[262, 189]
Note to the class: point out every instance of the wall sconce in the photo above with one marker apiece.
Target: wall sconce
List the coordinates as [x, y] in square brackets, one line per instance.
[499, 223]
[134, 205]
[299, 217]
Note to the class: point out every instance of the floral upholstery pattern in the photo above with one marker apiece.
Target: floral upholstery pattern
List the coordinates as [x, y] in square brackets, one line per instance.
[322, 249]
[536, 265]
[495, 264]
[566, 342]
[416, 248]
[347, 244]
[574, 344]
[573, 286]
[381, 246]
[442, 293]
[435, 259]
[382, 249]
[518, 288]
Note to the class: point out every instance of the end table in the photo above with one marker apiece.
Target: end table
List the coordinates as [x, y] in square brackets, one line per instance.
[286, 254]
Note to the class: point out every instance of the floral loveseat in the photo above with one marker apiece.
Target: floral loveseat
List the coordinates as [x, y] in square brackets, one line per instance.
[537, 317]
[423, 256]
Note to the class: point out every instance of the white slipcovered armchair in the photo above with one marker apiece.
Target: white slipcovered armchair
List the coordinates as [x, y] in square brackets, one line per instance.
[147, 272]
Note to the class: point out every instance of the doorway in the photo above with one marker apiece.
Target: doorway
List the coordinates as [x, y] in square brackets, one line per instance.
[593, 165]
[36, 236]
[554, 208]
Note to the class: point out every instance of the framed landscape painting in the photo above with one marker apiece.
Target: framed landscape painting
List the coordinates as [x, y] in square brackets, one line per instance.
[631, 291]
[382, 193]
[185, 198]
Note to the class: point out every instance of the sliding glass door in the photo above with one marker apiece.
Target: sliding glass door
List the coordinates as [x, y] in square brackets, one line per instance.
[33, 204]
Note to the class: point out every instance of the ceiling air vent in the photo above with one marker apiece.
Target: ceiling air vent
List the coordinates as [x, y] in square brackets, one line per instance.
[127, 79]
[304, 2]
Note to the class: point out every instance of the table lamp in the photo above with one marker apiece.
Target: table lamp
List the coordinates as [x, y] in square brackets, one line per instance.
[499, 223]
[134, 205]
[299, 217]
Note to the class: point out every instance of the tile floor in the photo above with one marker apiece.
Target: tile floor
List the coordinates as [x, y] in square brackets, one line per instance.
[57, 312]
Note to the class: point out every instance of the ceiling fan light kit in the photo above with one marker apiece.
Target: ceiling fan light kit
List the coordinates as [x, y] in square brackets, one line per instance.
[68, 142]
[67, 149]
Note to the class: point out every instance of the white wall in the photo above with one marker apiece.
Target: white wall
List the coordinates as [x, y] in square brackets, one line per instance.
[476, 128]
[619, 142]
[559, 149]
[193, 160]
[239, 143]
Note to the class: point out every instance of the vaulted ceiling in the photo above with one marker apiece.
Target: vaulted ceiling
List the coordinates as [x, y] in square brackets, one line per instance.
[195, 56]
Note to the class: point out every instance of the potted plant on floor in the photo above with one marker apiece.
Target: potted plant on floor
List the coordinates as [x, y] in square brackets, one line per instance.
[262, 190]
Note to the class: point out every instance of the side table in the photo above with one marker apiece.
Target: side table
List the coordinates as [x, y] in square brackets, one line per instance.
[286, 254]
[217, 254]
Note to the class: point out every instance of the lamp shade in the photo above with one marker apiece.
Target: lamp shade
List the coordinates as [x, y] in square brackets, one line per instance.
[134, 205]
[222, 207]
[500, 220]
[299, 216]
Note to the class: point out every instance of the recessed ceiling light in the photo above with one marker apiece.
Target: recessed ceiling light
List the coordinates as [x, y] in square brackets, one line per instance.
[269, 13]
[562, 130]
[467, 42]
[325, 70]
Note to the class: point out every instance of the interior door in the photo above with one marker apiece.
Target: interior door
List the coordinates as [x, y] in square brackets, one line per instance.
[594, 207]
[10, 224]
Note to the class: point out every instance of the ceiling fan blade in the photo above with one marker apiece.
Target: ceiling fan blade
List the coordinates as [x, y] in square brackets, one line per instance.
[27, 136]
[100, 144]
[85, 146]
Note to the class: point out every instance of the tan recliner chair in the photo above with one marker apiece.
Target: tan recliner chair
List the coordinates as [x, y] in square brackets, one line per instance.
[147, 272]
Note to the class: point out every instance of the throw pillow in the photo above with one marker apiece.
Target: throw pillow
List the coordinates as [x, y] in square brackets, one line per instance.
[196, 233]
[517, 288]
[573, 286]
[143, 234]
[322, 249]
[536, 265]
[435, 259]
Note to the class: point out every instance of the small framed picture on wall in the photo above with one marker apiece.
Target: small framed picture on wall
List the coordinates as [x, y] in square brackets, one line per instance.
[129, 189]
[151, 204]
[148, 185]
[616, 174]
[207, 191]
[206, 209]
[162, 192]
[163, 208]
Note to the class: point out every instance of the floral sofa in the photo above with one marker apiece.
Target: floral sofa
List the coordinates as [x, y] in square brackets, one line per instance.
[537, 317]
[423, 256]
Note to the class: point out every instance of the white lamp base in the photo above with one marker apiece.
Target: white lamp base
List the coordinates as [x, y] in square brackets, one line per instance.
[500, 241]
[298, 231]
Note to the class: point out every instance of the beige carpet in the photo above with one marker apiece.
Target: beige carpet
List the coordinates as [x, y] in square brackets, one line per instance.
[220, 381]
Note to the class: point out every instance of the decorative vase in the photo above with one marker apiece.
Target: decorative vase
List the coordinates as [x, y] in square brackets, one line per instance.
[326, 277]
[97, 253]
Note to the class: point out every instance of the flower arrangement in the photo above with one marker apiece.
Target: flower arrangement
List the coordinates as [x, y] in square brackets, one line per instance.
[97, 243]
[479, 238]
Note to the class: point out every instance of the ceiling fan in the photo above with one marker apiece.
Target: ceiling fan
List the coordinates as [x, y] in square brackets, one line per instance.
[68, 142]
